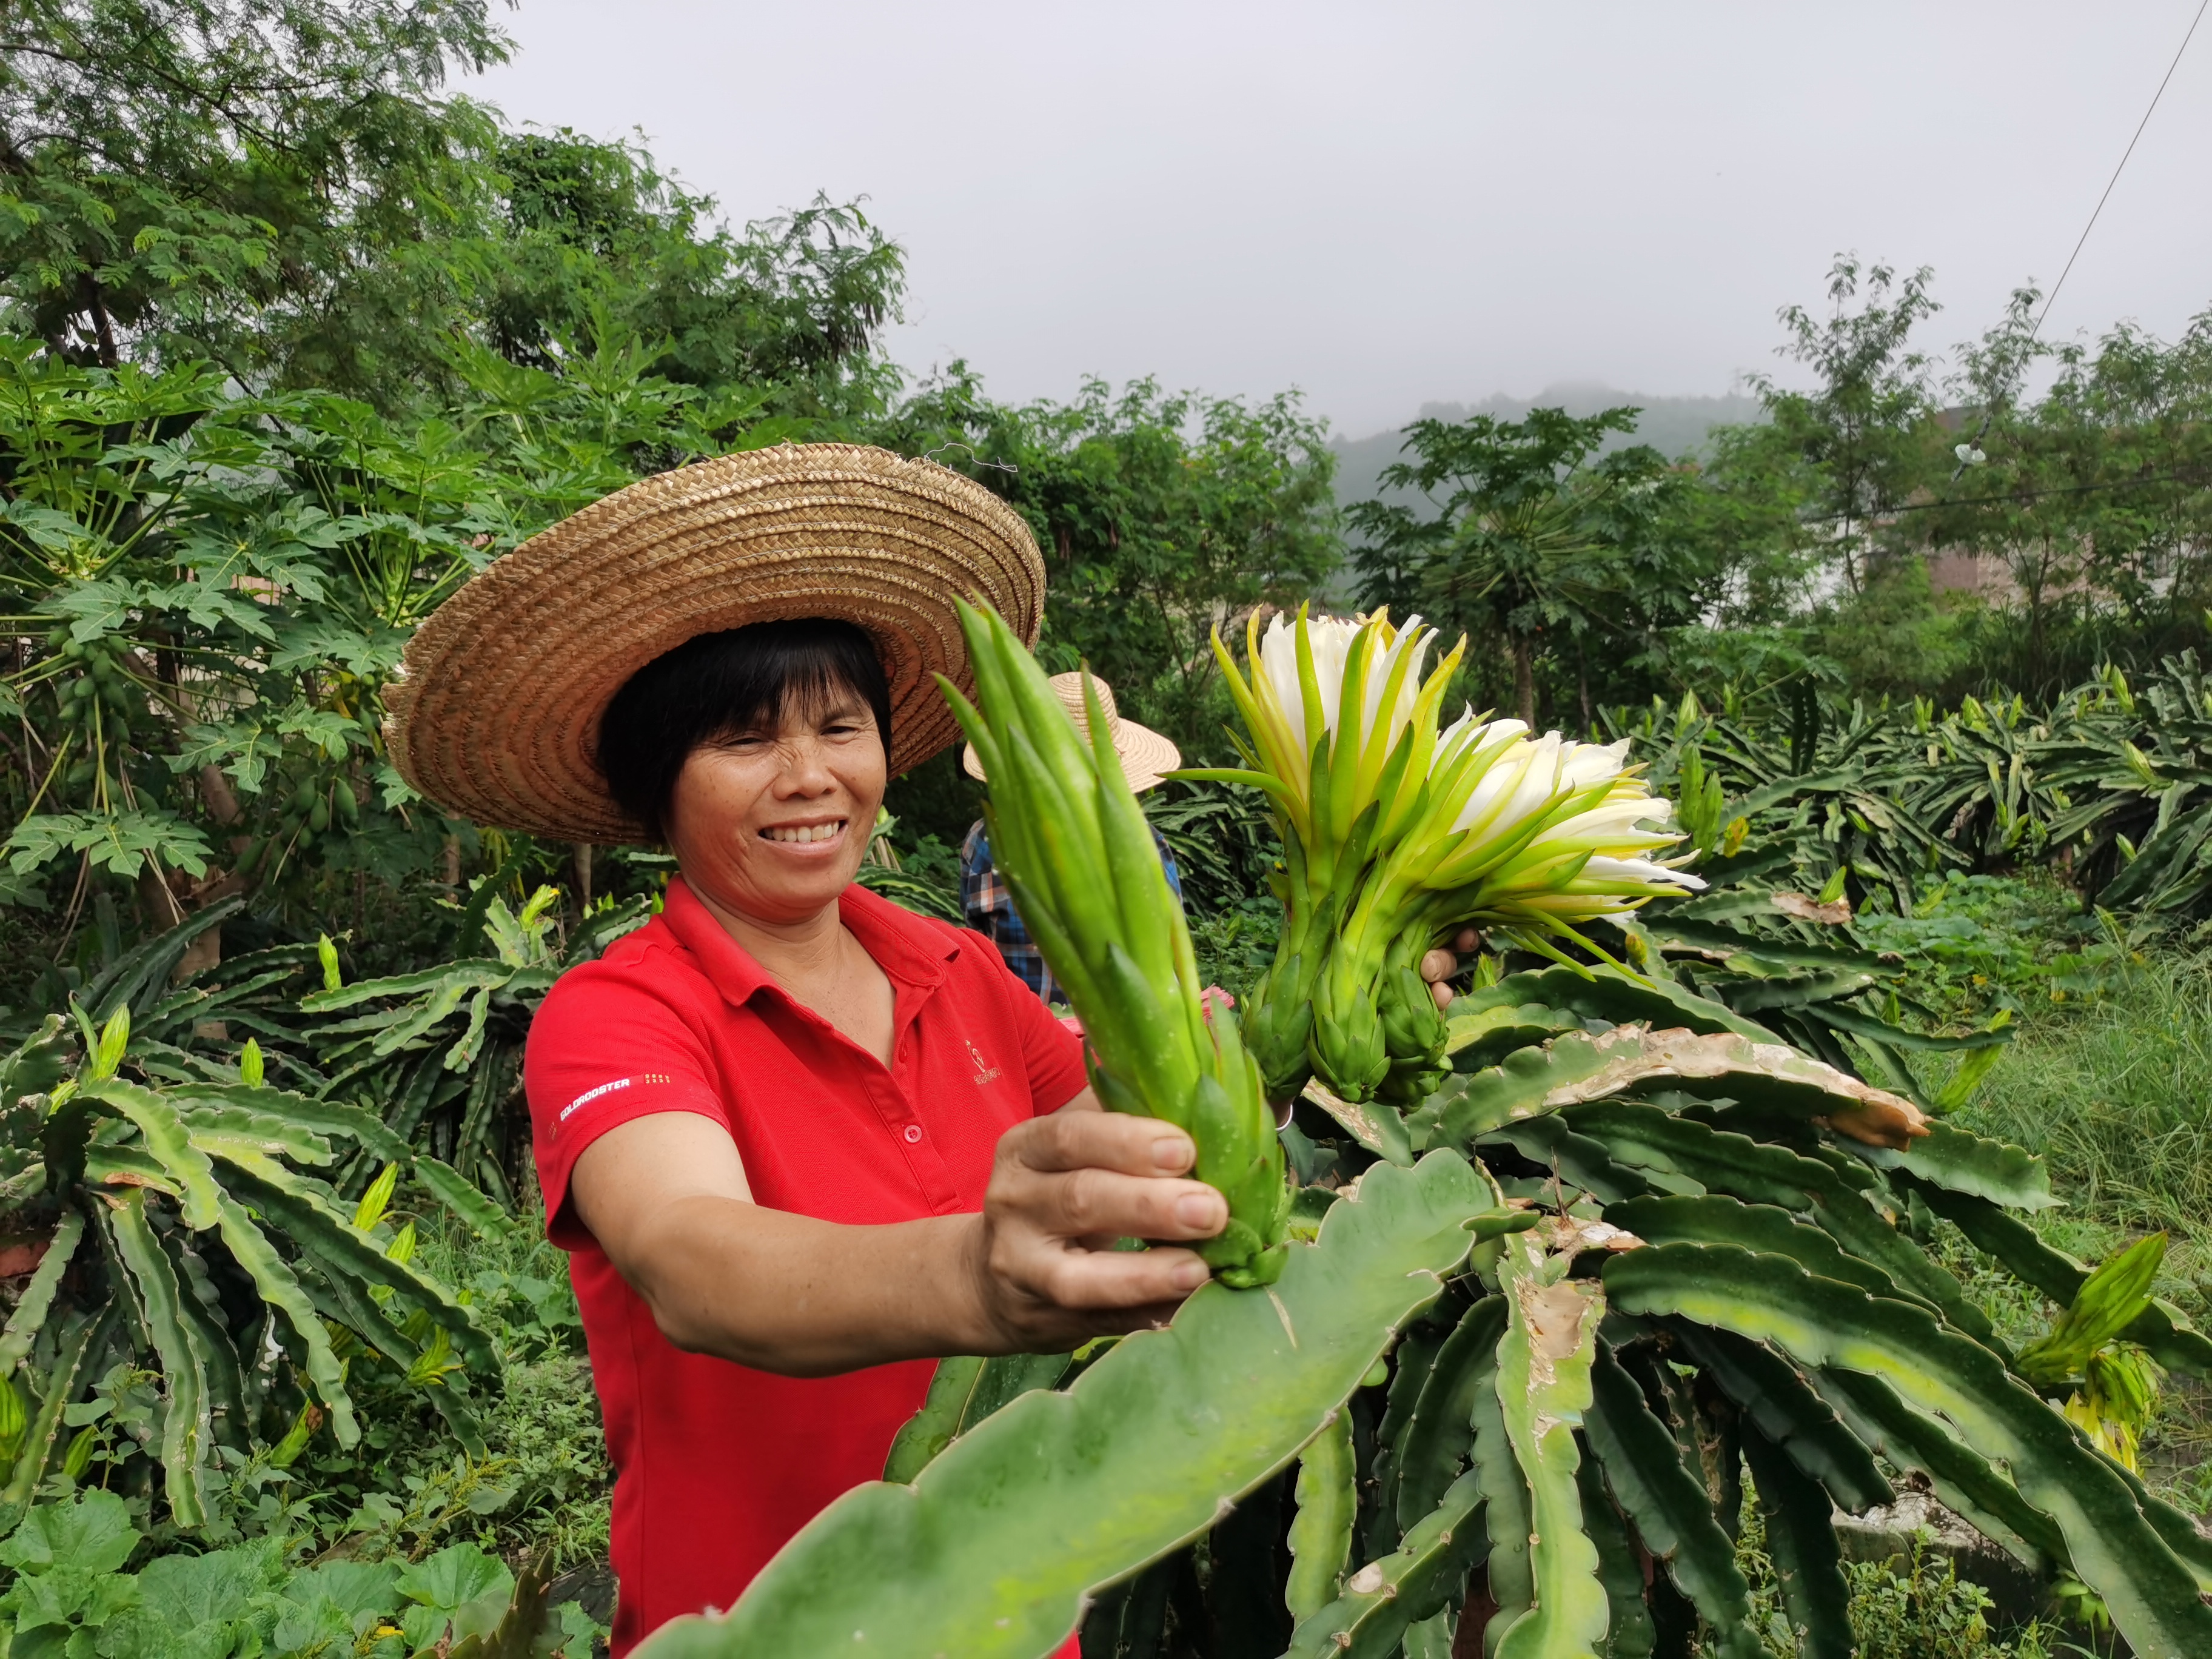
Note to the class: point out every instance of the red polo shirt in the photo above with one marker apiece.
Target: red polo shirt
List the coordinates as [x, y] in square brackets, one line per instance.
[717, 1465]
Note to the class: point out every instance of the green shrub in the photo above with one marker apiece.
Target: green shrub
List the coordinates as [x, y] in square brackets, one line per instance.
[70, 1593]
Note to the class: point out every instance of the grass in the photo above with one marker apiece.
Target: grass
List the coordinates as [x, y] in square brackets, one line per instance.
[2115, 1093]
[1927, 1612]
[543, 1429]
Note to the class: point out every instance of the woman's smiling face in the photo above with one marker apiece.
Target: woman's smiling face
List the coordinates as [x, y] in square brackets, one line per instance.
[770, 822]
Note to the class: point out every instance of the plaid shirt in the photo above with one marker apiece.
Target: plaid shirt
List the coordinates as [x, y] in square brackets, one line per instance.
[990, 909]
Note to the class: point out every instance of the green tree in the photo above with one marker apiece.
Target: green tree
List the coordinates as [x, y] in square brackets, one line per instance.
[1161, 515]
[2091, 495]
[279, 187]
[204, 178]
[1532, 538]
[1865, 434]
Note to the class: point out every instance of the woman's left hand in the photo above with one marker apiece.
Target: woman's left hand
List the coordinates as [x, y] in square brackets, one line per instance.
[1441, 964]
[1064, 1188]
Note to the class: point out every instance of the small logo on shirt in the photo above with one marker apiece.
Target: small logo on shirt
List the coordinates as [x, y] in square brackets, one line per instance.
[985, 1071]
[591, 1095]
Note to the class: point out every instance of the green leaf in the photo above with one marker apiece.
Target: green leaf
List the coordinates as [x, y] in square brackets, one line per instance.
[306, 1113]
[460, 1195]
[2161, 1330]
[1715, 1219]
[1802, 1543]
[1605, 993]
[1369, 1619]
[1949, 1157]
[1793, 1418]
[30, 1313]
[187, 1422]
[209, 1123]
[117, 842]
[1543, 1385]
[1474, 1038]
[312, 1225]
[1575, 1068]
[1440, 1434]
[370, 1210]
[456, 1576]
[168, 1140]
[993, 1551]
[2110, 1301]
[90, 1533]
[458, 978]
[141, 974]
[1320, 1532]
[107, 1052]
[39, 1062]
[1982, 1049]
[1578, 1160]
[83, 1341]
[1497, 1475]
[1374, 1124]
[2151, 1594]
[1963, 1481]
[356, 1309]
[1673, 1514]
[1762, 1173]
[1410, 1363]
[1739, 947]
[1630, 1632]
[279, 1287]
[962, 1392]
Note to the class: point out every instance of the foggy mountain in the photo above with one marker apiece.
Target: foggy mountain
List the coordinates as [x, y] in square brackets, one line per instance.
[1674, 426]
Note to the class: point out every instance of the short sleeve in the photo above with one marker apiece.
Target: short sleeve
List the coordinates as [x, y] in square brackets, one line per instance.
[1052, 1055]
[605, 1049]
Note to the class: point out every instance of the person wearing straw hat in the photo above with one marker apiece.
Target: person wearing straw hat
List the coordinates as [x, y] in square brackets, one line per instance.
[987, 902]
[798, 1142]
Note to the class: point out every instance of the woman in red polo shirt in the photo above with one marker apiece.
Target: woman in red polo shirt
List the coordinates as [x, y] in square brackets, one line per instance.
[798, 1142]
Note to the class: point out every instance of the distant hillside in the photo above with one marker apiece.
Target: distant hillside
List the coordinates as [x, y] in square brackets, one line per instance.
[1674, 425]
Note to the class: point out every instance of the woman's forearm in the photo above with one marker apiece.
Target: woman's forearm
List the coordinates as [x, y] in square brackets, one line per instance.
[668, 1199]
[788, 1293]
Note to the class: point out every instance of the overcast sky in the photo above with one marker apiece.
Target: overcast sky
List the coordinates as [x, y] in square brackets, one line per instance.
[1385, 205]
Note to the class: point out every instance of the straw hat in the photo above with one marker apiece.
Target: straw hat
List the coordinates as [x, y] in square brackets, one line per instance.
[496, 711]
[1146, 755]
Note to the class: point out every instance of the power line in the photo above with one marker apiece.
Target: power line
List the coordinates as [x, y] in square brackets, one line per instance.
[2052, 299]
[2193, 478]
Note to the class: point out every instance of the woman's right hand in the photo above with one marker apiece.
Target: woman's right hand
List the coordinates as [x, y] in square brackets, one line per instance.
[1045, 1274]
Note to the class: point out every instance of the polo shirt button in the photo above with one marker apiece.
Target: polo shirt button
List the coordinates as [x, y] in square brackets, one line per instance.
[913, 1134]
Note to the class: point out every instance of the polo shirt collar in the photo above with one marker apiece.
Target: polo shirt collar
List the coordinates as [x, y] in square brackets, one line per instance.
[903, 945]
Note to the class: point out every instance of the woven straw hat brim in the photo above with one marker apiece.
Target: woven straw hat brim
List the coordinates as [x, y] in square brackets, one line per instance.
[1147, 756]
[495, 715]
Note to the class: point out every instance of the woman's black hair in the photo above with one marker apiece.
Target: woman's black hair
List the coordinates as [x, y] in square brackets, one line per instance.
[716, 685]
